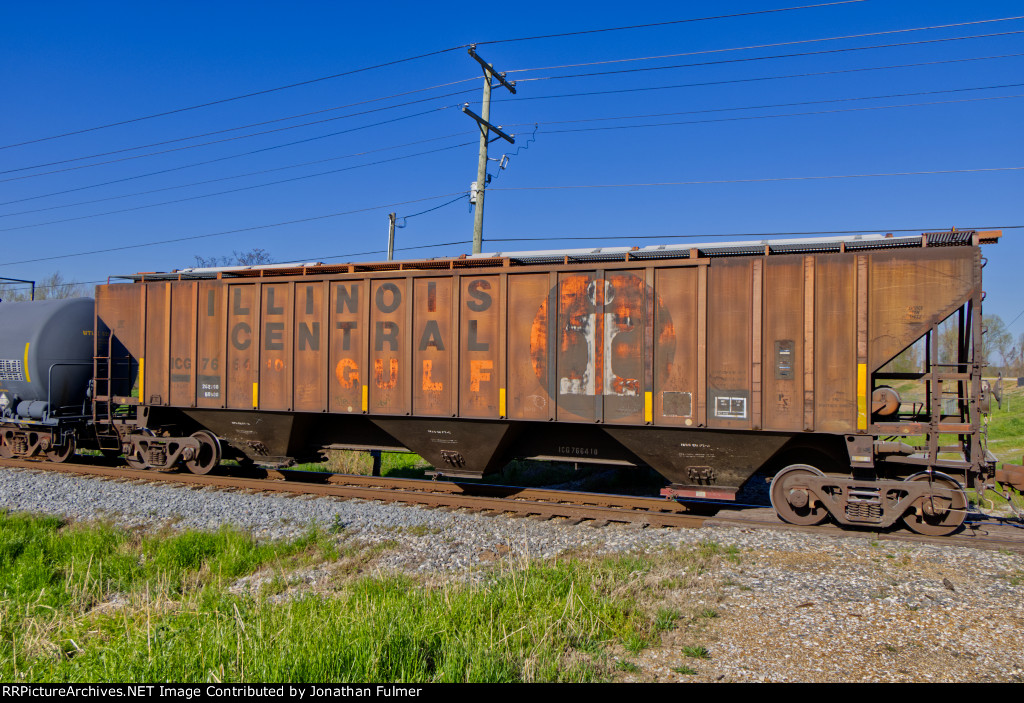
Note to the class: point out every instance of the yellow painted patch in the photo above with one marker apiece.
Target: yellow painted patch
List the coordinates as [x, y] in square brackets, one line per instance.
[501, 402]
[648, 407]
[28, 379]
[366, 398]
[142, 380]
[255, 395]
[862, 396]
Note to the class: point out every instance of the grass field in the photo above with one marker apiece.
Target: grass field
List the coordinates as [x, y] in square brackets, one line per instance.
[93, 603]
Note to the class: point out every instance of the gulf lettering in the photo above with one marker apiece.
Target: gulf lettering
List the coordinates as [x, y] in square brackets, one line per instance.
[347, 373]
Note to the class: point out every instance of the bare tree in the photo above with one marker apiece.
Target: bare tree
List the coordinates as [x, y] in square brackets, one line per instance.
[52, 287]
[253, 257]
[996, 340]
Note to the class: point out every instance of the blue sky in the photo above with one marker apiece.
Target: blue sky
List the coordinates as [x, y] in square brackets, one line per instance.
[72, 66]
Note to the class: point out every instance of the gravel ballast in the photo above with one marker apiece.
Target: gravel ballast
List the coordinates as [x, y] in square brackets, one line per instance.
[792, 607]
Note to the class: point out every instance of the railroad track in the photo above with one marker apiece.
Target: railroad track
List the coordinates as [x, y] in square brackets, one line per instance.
[596, 509]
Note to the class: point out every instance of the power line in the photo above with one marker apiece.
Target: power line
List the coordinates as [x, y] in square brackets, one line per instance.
[760, 46]
[765, 58]
[788, 114]
[765, 180]
[581, 75]
[556, 131]
[247, 153]
[211, 180]
[666, 23]
[759, 78]
[761, 107]
[226, 232]
[239, 97]
[405, 60]
[233, 190]
[243, 136]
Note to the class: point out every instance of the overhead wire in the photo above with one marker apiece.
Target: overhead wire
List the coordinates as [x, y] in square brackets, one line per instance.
[787, 114]
[220, 141]
[763, 180]
[229, 139]
[222, 233]
[756, 79]
[774, 105]
[555, 131]
[760, 46]
[666, 23]
[766, 58]
[233, 190]
[238, 97]
[520, 188]
[541, 78]
[406, 60]
[213, 180]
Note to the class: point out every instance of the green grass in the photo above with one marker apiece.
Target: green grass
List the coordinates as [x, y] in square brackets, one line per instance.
[1006, 425]
[94, 603]
[393, 464]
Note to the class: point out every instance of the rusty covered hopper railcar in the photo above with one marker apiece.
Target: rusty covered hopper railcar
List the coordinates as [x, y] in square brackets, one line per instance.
[707, 362]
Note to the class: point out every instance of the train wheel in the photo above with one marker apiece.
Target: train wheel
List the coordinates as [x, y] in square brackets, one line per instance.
[791, 499]
[937, 515]
[61, 453]
[135, 460]
[209, 453]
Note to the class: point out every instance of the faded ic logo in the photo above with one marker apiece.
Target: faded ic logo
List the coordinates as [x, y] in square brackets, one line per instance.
[600, 339]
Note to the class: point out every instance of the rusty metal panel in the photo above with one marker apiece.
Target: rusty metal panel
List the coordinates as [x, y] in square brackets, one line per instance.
[183, 343]
[432, 354]
[212, 334]
[389, 389]
[478, 346]
[910, 291]
[620, 358]
[120, 314]
[309, 352]
[729, 343]
[120, 308]
[782, 344]
[242, 360]
[529, 397]
[347, 370]
[158, 308]
[579, 327]
[276, 341]
[675, 347]
[835, 344]
[757, 312]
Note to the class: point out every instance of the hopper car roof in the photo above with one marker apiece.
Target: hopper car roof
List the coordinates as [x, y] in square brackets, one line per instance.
[755, 247]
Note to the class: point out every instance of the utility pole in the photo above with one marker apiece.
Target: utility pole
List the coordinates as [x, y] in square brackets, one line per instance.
[391, 237]
[485, 129]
